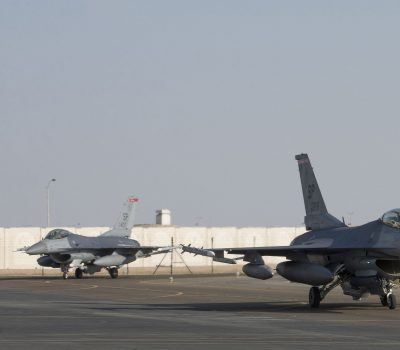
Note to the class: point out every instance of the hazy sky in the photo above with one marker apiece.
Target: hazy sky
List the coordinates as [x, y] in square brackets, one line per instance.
[199, 107]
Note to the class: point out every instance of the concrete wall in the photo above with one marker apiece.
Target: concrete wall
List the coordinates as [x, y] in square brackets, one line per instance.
[12, 239]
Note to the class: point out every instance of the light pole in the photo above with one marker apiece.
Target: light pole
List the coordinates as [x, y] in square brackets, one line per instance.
[48, 201]
[350, 214]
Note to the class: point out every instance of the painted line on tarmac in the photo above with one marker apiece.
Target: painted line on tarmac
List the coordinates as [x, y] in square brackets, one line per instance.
[191, 342]
[94, 286]
[171, 295]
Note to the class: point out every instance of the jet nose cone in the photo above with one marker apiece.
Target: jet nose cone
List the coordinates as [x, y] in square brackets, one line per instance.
[37, 248]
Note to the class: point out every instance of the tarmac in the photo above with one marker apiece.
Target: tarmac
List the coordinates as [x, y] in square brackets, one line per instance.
[192, 312]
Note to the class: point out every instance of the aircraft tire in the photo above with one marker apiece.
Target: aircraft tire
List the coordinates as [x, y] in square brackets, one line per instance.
[391, 301]
[113, 272]
[78, 273]
[384, 300]
[314, 297]
[65, 275]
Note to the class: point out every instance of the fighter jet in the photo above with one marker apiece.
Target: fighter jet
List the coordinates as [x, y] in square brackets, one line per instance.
[361, 260]
[112, 249]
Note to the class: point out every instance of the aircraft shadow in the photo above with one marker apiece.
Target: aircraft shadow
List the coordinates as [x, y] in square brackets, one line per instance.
[281, 307]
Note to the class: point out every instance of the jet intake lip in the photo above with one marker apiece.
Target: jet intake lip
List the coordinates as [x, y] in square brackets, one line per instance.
[37, 248]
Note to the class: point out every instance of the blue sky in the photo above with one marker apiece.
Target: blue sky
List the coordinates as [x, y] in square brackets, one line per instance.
[199, 107]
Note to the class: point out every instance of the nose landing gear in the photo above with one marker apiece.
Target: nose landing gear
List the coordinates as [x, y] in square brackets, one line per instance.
[64, 270]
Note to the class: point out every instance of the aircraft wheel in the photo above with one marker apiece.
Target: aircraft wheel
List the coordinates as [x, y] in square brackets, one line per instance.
[113, 272]
[384, 300]
[78, 273]
[314, 297]
[65, 275]
[391, 301]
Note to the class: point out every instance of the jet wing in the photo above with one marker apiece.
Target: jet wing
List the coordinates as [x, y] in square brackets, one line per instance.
[218, 253]
[306, 249]
[264, 251]
[286, 250]
[145, 251]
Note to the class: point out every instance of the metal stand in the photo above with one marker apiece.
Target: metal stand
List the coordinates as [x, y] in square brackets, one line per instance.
[172, 262]
[212, 260]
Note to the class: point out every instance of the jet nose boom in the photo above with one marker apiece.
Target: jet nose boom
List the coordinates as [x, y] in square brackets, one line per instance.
[37, 248]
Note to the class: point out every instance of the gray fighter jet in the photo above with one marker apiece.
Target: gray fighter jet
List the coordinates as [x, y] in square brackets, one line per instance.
[112, 249]
[361, 260]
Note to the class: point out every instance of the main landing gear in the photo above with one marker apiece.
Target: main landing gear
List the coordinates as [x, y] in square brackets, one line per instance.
[388, 299]
[113, 271]
[391, 301]
[78, 273]
[314, 297]
[316, 294]
[65, 270]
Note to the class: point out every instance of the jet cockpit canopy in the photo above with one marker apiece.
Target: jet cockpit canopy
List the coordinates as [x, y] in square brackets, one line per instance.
[392, 218]
[57, 234]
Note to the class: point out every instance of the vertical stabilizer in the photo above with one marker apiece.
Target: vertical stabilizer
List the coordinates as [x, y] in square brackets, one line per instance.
[317, 216]
[124, 224]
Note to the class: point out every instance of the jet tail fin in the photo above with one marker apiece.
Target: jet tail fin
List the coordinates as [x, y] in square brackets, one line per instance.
[124, 224]
[317, 216]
